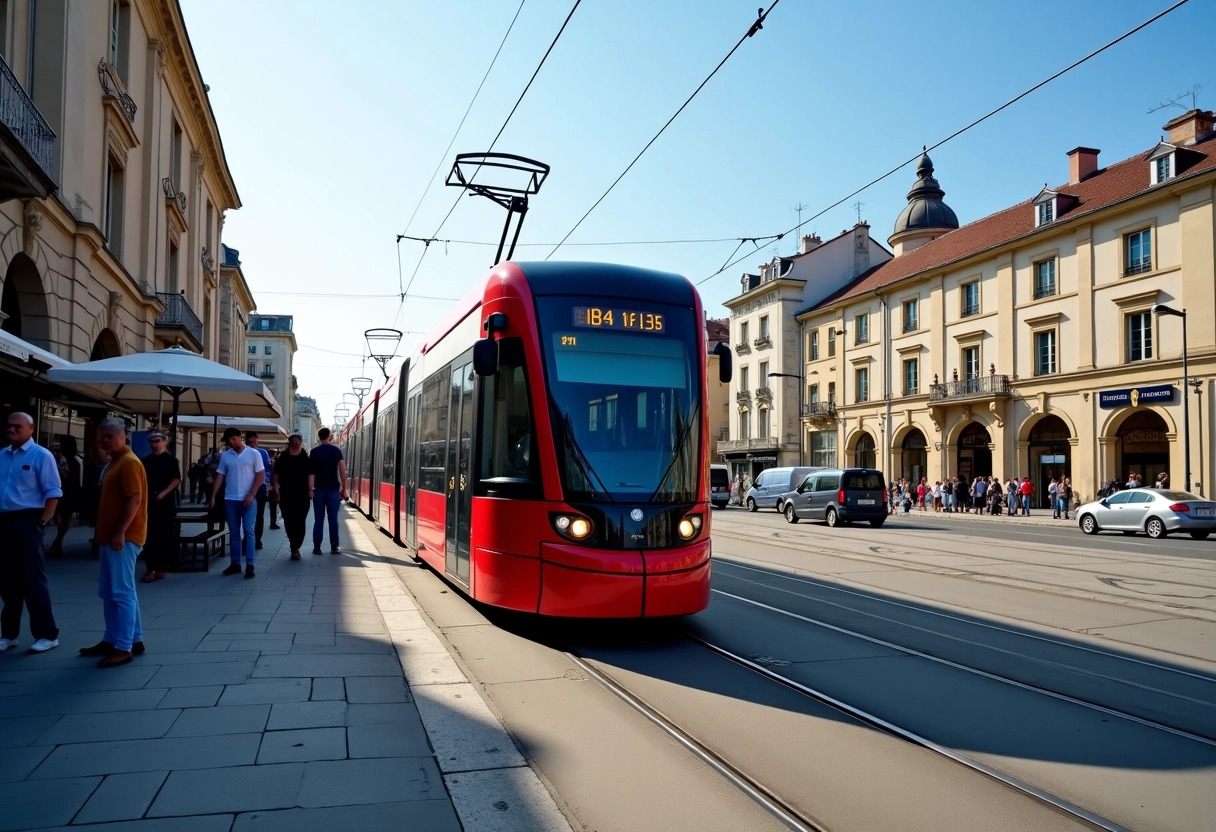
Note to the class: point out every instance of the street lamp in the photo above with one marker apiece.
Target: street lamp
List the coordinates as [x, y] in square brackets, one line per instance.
[1197, 384]
[1162, 309]
[361, 385]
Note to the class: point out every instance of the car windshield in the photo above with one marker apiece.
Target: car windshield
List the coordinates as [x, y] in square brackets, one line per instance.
[624, 399]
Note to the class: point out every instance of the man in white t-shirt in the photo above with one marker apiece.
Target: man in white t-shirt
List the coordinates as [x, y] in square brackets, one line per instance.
[241, 473]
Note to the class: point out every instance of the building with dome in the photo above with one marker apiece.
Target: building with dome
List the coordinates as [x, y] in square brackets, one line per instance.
[1025, 343]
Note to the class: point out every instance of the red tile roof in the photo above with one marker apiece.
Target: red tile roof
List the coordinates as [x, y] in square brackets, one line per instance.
[1105, 187]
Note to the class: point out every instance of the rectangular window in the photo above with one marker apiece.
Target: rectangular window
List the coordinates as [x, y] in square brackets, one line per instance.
[1044, 279]
[253, 349]
[1140, 336]
[744, 377]
[1046, 212]
[745, 424]
[1045, 352]
[971, 299]
[911, 377]
[267, 369]
[814, 350]
[911, 316]
[120, 23]
[823, 448]
[764, 326]
[831, 392]
[862, 387]
[115, 189]
[813, 394]
[507, 463]
[971, 362]
[175, 156]
[831, 341]
[171, 269]
[1138, 253]
[1163, 166]
[743, 335]
[763, 374]
[252, 368]
[762, 417]
[267, 350]
[861, 328]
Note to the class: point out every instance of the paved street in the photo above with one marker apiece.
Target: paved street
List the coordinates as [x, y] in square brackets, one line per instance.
[311, 697]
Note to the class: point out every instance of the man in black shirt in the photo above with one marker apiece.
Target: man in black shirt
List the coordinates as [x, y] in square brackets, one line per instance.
[164, 476]
[290, 483]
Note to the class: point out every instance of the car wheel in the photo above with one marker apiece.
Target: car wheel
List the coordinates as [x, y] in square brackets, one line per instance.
[1088, 524]
[791, 516]
[877, 523]
[751, 504]
[1200, 535]
[779, 506]
[1155, 528]
[831, 519]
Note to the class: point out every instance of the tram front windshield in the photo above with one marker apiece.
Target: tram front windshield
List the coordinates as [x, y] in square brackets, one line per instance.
[624, 399]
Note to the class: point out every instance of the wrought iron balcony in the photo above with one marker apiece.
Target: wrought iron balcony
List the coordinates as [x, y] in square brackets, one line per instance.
[970, 309]
[208, 261]
[764, 394]
[1138, 267]
[174, 197]
[267, 373]
[763, 341]
[178, 316]
[743, 397]
[983, 387]
[27, 144]
[112, 88]
[819, 410]
[743, 348]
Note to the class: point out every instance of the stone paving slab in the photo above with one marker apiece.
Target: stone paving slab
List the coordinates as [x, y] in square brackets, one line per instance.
[201, 823]
[171, 753]
[385, 780]
[303, 745]
[307, 715]
[202, 696]
[20, 731]
[122, 797]
[414, 816]
[224, 719]
[93, 728]
[29, 805]
[235, 789]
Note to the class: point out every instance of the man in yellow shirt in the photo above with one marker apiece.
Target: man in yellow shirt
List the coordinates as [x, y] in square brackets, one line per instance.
[122, 528]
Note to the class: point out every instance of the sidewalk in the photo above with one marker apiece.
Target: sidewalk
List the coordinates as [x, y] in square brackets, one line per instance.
[1037, 517]
[277, 703]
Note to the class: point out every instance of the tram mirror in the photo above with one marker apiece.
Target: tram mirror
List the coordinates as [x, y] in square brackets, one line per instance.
[485, 357]
[725, 367]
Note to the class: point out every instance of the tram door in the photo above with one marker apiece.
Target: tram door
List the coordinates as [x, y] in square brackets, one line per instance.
[460, 480]
[409, 473]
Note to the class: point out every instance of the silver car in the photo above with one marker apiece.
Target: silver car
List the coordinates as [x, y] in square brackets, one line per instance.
[1154, 512]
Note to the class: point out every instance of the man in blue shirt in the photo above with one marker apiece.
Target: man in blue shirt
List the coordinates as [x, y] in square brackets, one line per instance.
[327, 485]
[251, 439]
[29, 493]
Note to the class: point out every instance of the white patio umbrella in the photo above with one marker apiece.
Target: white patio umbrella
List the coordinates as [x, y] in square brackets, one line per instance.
[196, 385]
[267, 427]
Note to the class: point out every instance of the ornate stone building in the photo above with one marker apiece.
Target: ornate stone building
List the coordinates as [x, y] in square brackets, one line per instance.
[113, 183]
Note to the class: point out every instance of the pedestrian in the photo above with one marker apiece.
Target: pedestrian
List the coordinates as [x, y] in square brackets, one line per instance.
[122, 529]
[289, 486]
[1163, 481]
[979, 490]
[29, 494]
[195, 475]
[921, 489]
[90, 489]
[272, 498]
[164, 475]
[1026, 492]
[240, 473]
[1064, 495]
[937, 495]
[1053, 497]
[69, 481]
[251, 440]
[327, 487]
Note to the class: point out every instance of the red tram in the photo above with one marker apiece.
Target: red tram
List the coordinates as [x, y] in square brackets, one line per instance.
[546, 447]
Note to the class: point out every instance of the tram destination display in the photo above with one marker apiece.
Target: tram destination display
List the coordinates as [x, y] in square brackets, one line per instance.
[606, 317]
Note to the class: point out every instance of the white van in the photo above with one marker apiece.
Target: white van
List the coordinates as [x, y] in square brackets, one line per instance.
[770, 484]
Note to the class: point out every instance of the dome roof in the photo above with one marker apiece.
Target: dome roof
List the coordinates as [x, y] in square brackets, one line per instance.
[925, 208]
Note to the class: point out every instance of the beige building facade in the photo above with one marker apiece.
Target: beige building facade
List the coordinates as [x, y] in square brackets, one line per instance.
[236, 305]
[1026, 344]
[270, 348]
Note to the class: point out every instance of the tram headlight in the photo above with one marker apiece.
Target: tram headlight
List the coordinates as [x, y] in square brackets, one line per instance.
[572, 526]
[690, 526]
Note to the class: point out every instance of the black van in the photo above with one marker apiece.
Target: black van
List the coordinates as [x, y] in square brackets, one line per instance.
[719, 486]
[839, 496]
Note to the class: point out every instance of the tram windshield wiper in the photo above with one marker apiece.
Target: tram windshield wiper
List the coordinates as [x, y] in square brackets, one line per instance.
[679, 458]
[576, 456]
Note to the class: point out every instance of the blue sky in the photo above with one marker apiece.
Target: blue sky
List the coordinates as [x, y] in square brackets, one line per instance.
[333, 124]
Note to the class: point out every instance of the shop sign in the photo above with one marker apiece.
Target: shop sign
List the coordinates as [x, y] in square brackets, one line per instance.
[762, 458]
[1136, 396]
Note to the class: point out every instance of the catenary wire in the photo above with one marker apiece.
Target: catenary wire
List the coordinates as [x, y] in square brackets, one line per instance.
[600, 243]
[756, 26]
[962, 130]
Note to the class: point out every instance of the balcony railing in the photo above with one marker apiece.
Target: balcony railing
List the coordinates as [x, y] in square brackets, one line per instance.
[819, 410]
[985, 387]
[743, 397]
[743, 348]
[1138, 267]
[763, 341]
[111, 87]
[970, 309]
[26, 125]
[179, 315]
[764, 394]
[175, 196]
[733, 445]
[267, 374]
[1044, 288]
[208, 261]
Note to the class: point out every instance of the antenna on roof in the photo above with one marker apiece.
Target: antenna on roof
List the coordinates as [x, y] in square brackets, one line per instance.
[1193, 92]
[858, 205]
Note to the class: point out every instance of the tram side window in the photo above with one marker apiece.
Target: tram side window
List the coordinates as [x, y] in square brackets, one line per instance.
[507, 434]
[433, 432]
[386, 437]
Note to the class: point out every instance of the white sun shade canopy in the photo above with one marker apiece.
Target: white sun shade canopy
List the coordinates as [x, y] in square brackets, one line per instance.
[143, 382]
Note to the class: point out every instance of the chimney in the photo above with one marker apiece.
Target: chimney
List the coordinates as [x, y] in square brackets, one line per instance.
[1082, 162]
[1190, 127]
[861, 247]
[809, 241]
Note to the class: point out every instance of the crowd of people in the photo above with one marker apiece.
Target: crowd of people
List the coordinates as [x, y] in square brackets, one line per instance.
[981, 495]
[132, 504]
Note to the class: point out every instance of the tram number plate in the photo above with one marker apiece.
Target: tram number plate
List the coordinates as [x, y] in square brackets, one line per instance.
[867, 502]
[1205, 512]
